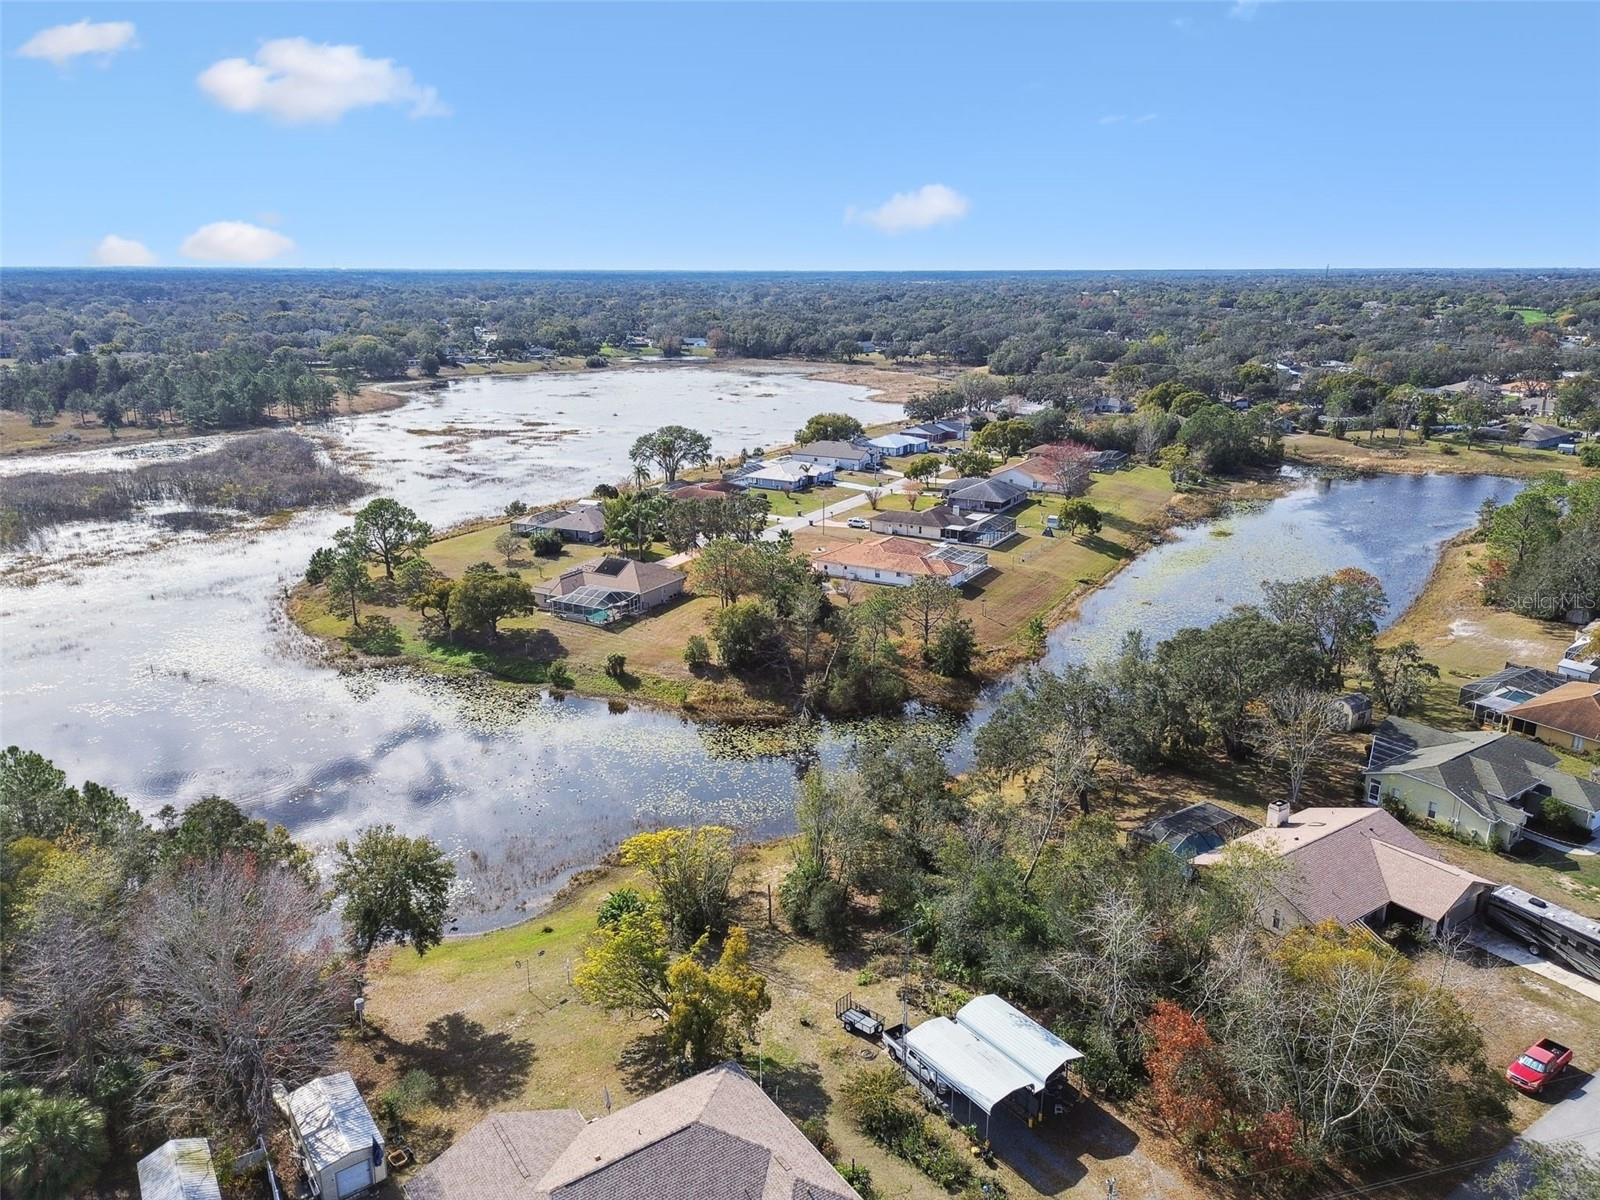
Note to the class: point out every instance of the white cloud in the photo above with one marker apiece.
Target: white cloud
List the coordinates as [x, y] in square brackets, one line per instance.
[297, 80]
[1112, 119]
[931, 204]
[61, 44]
[235, 242]
[1245, 10]
[1144, 118]
[114, 251]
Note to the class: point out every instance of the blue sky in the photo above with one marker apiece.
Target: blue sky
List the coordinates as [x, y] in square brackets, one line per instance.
[824, 136]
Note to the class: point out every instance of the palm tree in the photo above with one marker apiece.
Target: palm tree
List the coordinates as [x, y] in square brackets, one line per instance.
[50, 1145]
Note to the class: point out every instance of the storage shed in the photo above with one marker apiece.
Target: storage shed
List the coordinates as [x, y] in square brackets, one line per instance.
[337, 1140]
[179, 1170]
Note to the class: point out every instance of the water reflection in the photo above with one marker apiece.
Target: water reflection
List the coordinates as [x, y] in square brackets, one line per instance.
[170, 674]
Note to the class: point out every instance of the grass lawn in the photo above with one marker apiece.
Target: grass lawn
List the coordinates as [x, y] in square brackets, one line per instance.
[497, 1024]
[1441, 455]
[796, 504]
[1465, 638]
[1533, 316]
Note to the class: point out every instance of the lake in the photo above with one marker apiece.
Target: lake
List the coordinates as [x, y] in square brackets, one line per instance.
[169, 672]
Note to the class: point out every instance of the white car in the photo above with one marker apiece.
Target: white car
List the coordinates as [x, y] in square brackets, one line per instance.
[857, 523]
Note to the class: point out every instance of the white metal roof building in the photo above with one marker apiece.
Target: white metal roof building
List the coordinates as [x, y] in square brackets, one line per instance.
[990, 1054]
[179, 1170]
[338, 1141]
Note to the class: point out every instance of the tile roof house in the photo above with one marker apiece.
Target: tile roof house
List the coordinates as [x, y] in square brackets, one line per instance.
[179, 1170]
[1356, 865]
[901, 561]
[607, 589]
[1566, 716]
[1481, 784]
[715, 1136]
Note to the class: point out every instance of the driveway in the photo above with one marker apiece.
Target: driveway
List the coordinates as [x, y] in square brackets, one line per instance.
[1573, 1116]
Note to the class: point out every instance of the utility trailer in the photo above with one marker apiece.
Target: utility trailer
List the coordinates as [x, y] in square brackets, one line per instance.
[857, 1018]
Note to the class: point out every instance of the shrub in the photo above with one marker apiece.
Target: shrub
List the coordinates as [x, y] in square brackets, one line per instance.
[697, 653]
[1589, 454]
[595, 361]
[321, 565]
[816, 1131]
[616, 665]
[879, 1103]
[516, 508]
[815, 903]
[604, 491]
[859, 1178]
[546, 543]
[1558, 818]
[559, 676]
[1397, 809]
[377, 635]
[618, 904]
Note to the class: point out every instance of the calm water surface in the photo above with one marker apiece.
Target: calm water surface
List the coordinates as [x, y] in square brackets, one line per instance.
[169, 674]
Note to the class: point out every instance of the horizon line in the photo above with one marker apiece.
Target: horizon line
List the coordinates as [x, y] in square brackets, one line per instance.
[175, 268]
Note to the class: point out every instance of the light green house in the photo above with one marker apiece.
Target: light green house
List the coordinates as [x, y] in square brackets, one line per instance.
[1478, 785]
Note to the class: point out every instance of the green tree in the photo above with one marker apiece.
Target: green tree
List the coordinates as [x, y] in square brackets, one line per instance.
[395, 888]
[669, 449]
[633, 520]
[692, 870]
[953, 649]
[828, 427]
[1398, 675]
[1524, 526]
[506, 544]
[347, 576]
[723, 568]
[50, 1146]
[970, 464]
[1079, 514]
[483, 597]
[929, 602]
[712, 1011]
[388, 532]
[924, 467]
[746, 635]
[1339, 612]
[212, 828]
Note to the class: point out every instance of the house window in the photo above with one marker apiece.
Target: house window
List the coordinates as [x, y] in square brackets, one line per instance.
[1277, 919]
[1433, 810]
[1374, 786]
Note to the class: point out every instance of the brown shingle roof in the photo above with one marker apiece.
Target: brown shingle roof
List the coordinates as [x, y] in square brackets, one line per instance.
[612, 571]
[1571, 708]
[715, 1136]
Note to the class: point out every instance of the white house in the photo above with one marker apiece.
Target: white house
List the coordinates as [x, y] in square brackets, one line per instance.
[339, 1145]
[841, 456]
[784, 475]
[897, 445]
[901, 561]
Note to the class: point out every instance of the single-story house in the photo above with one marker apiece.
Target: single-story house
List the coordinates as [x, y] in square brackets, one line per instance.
[694, 343]
[946, 430]
[991, 1054]
[179, 1170]
[1491, 697]
[898, 445]
[608, 589]
[841, 456]
[784, 475]
[715, 1135]
[1041, 470]
[977, 494]
[1482, 785]
[338, 1143]
[942, 522]
[1197, 829]
[583, 522]
[715, 490]
[901, 561]
[1356, 866]
[1108, 460]
[1539, 436]
[1578, 661]
[1567, 716]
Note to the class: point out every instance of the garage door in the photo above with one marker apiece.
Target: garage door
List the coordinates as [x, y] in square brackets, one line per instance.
[352, 1180]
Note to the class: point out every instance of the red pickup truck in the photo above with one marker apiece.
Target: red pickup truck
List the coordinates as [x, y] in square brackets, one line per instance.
[1538, 1065]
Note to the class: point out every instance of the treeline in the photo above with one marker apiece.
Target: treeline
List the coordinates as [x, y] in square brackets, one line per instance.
[260, 474]
[229, 389]
[1544, 548]
[160, 976]
[1061, 334]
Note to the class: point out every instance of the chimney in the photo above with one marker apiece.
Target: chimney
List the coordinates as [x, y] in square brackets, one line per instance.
[1277, 814]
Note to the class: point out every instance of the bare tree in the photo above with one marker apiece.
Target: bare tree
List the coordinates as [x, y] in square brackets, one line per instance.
[66, 990]
[1295, 726]
[233, 982]
[1070, 473]
[1071, 755]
